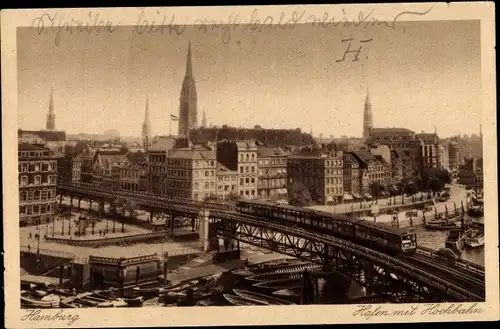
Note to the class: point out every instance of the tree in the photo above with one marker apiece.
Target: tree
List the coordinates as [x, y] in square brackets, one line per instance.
[298, 195]
[125, 209]
[375, 189]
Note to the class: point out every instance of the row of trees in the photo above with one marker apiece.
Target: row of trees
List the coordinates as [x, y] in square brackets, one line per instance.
[432, 180]
[122, 209]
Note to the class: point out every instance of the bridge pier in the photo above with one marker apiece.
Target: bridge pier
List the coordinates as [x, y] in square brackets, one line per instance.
[204, 229]
[79, 203]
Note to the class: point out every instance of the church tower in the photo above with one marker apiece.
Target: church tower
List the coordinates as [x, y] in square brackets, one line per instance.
[51, 116]
[188, 114]
[204, 119]
[367, 117]
[146, 126]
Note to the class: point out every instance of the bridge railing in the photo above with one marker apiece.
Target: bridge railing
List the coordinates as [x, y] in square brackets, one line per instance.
[86, 188]
[462, 263]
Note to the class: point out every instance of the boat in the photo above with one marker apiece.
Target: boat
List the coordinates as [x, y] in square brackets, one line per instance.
[475, 240]
[147, 292]
[280, 284]
[260, 297]
[181, 286]
[40, 293]
[284, 273]
[456, 239]
[287, 293]
[476, 211]
[440, 225]
[137, 301]
[238, 301]
[33, 303]
[242, 272]
[205, 302]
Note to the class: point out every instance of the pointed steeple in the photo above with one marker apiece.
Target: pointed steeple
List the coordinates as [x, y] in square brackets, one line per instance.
[146, 125]
[188, 113]
[51, 116]
[204, 120]
[367, 116]
[189, 65]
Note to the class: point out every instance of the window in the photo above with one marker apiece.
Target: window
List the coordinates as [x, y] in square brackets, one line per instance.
[247, 180]
[241, 157]
[195, 185]
[23, 196]
[241, 181]
[206, 185]
[212, 184]
[24, 181]
[36, 209]
[253, 157]
[37, 167]
[246, 169]
[206, 173]
[253, 180]
[253, 169]
[36, 195]
[241, 170]
[22, 210]
[247, 157]
[37, 180]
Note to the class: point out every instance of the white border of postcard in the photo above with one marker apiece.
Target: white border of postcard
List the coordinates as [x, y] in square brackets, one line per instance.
[221, 316]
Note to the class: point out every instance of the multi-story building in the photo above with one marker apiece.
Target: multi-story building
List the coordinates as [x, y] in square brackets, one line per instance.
[320, 170]
[444, 157]
[37, 166]
[53, 140]
[453, 155]
[241, 156]
[352, 174]
[227, 182]
[133, 172]
[404, 142]
[272, 172]
[374, 169]
[157, 163]
[431, 153]
[471, 172]
[190, 173]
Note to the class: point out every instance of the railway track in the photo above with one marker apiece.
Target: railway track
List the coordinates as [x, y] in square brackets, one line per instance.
[454, 275]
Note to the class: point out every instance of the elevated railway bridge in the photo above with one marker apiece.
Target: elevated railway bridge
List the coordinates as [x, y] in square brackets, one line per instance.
[406, 278]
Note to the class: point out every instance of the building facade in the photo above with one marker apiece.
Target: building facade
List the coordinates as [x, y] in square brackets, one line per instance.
[320, 170]
[352, 174]
[191, 173]
[405, 143]
[431, 150]
[227, 183]
[272, 183]
[241, 156]
[37, 167]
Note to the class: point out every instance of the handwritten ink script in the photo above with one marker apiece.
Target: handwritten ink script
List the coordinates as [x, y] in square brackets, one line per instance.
[377, 311]
[61, 315]
[160, 23]
[356, 52]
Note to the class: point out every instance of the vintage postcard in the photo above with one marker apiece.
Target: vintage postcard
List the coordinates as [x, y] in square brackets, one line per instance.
[255, 165]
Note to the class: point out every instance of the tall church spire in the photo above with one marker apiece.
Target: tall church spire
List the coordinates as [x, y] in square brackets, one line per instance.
[188, 113]
[204, 119]
[367, 116]
[146, 125]
[51, 116]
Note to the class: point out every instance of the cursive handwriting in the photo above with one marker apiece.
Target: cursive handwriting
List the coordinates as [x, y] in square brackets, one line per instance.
[61, 315]
[257, 21]
[58, 23]
[372, 311]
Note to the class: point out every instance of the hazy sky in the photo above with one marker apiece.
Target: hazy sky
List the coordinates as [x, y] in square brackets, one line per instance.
[420, 75]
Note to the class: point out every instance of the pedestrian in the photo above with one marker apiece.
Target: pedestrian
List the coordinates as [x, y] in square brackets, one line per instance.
[29, 248]
[30, 236]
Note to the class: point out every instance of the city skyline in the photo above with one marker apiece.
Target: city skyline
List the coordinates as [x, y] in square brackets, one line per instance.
[108, 86]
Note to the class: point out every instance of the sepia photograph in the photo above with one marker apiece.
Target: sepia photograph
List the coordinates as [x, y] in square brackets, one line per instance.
[290, 158]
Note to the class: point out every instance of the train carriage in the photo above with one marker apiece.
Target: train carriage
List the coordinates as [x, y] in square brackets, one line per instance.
[395, 239]
[375, 235]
